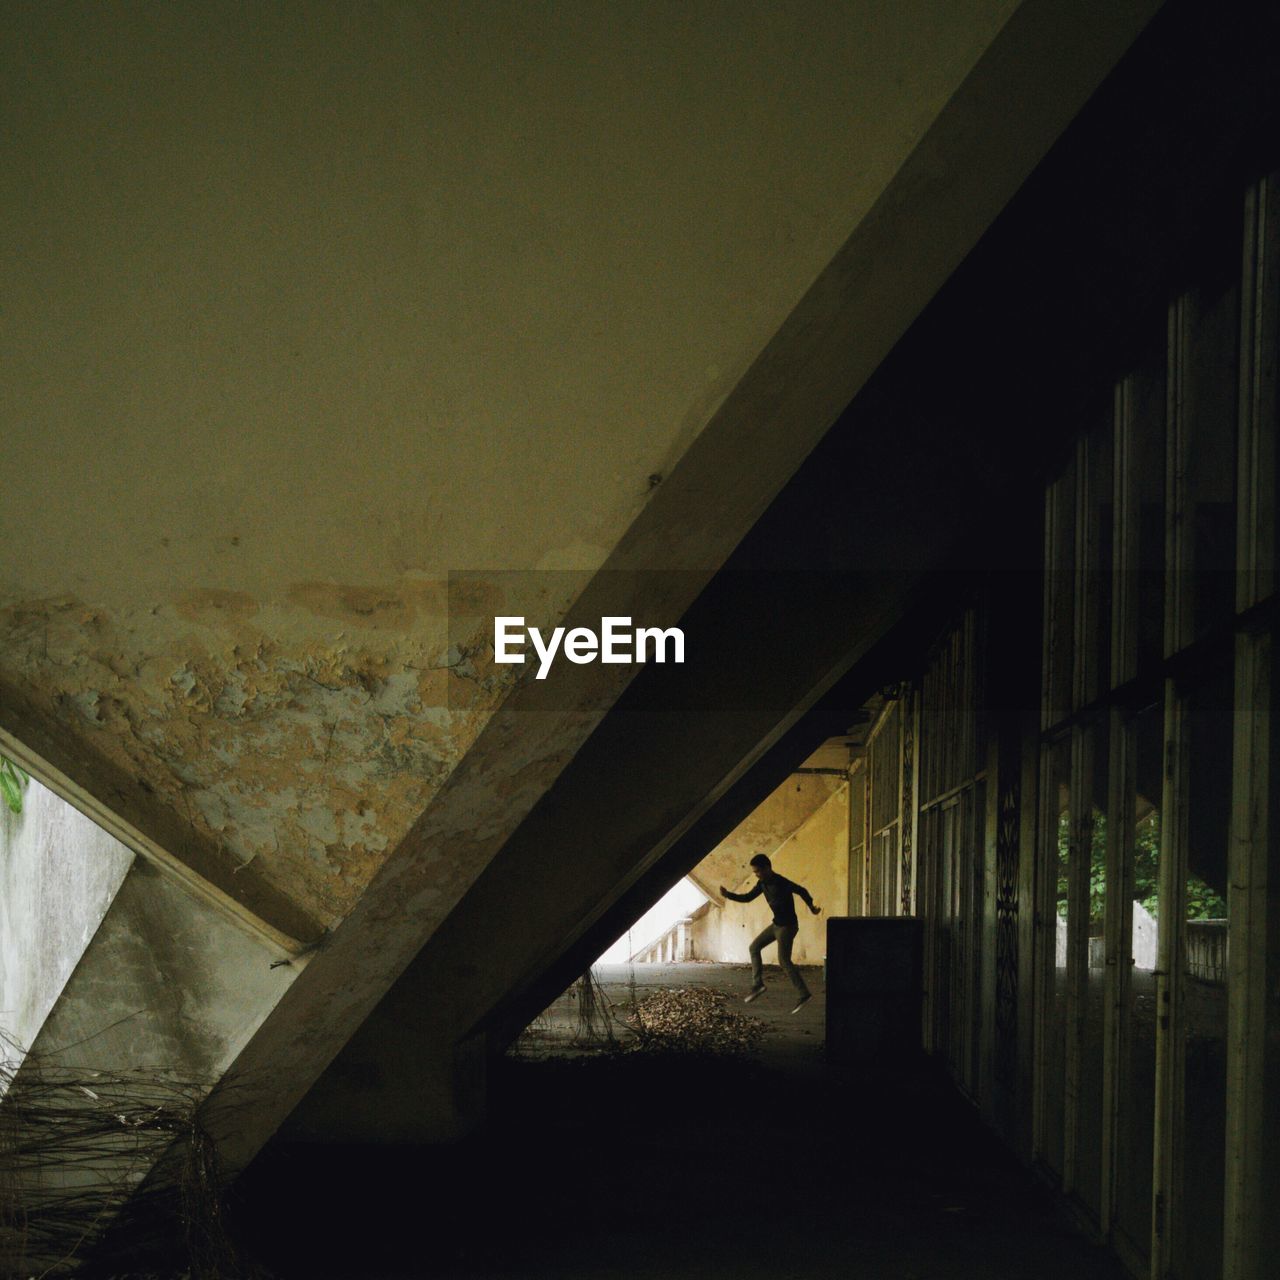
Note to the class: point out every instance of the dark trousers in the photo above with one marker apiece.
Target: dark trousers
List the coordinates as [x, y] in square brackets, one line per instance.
[784, 935]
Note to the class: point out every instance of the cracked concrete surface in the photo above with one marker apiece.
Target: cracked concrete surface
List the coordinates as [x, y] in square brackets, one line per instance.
[302, 736]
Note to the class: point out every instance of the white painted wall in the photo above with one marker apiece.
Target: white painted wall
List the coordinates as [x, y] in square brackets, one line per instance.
[58, 875]
[674, 905]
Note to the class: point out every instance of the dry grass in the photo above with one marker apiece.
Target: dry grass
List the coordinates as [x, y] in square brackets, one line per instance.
[80, 1184]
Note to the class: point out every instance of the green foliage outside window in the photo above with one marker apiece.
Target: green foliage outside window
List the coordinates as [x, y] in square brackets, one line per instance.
[1203, 902]
[13, 781]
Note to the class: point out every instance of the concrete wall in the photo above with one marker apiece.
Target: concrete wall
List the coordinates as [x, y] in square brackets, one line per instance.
[679, 902]
[167, 992]
[816, 856]
[58, 875]
[168, 982]
[708, 933]
[766, 829]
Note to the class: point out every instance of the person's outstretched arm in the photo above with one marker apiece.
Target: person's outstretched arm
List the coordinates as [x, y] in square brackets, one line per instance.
[743, 897]
[804, 896]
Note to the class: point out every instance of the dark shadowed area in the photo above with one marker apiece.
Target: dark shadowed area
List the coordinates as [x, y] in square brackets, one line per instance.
[634, 1164]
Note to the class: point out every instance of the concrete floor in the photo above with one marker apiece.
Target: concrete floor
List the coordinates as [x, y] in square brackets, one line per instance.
[628, 1165]
[790, 1039]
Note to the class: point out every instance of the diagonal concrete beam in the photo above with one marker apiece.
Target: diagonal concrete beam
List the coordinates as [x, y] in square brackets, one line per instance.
[1021, 94]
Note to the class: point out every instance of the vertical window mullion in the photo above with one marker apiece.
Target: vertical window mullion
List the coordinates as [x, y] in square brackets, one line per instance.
[1250, 1166]
[1077, 876]
[1045, 915]
[1124, 548]
[1174, 504]
[1077, 943]
[1259, 335]
[1166, 1178]
[1248, 1190]
[1163, 1179]
[1117, 912]
[1118, 944]
[1046, 657]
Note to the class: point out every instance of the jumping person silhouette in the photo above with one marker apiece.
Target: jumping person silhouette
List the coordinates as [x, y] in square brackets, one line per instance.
[778, 892]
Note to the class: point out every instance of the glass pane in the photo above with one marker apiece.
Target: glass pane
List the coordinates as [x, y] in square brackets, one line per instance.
[1135, 1139]
[1261, 333]
[951, 838]
[963, 934]
[857, 839]
[889, 882]
[977, 806]
[1093, 845]
[1207, 384]
[1099, 546]
[875, 874]
[1204, 977]
[1143, 400]
[1060, 593]
[1057, 856]
[931, 864]
[884, 872]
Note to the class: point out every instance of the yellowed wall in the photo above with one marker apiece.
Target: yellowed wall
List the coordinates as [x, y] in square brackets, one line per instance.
[766, 829]
[816, 856]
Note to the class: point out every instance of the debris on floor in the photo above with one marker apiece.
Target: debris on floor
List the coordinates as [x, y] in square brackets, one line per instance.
[692, 1020]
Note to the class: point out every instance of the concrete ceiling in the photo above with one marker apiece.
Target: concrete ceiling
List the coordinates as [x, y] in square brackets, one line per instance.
[307, 300]
[308, 305]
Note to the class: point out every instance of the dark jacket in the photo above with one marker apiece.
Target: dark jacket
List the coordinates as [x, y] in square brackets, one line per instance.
[778, 891]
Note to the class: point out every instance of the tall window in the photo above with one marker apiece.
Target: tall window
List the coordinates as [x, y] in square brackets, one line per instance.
[951, 812]
[1142, 552]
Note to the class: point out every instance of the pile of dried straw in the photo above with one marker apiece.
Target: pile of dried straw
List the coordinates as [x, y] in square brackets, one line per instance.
[98, 1168]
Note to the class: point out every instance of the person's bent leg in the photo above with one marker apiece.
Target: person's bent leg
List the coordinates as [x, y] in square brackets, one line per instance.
[757, 963]
[786, 936]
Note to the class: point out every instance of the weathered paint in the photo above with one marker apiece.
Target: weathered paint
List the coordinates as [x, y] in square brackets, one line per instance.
[306, 756]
